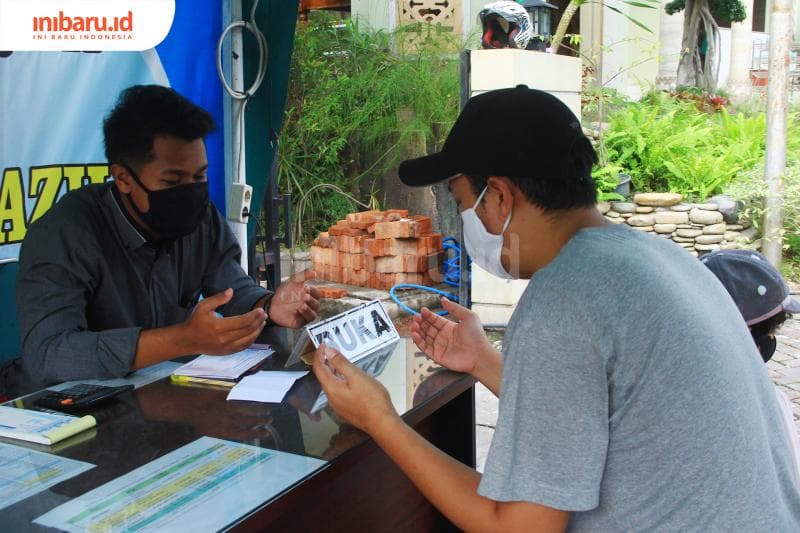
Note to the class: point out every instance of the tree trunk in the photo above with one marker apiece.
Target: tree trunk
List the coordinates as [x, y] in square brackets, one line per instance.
[689, 63]
[710, 72]
[692, 71]
[569, 12]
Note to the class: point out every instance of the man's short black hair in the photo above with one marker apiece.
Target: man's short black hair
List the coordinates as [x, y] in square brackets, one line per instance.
[769, 326]
[144, 112]
[574, 189]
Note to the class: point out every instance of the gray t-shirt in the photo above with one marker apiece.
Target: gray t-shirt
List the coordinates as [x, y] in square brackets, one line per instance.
[633, 396]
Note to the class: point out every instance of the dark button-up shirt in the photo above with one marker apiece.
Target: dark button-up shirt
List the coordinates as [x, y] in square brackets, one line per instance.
[89, 282]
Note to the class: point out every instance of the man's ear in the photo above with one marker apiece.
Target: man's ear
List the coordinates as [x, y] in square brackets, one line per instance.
[122, 178]
[503, 194]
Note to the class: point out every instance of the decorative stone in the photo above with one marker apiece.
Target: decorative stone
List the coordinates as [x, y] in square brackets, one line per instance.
[644, 209]
[683, 239]
[643, 228]
[709, 239]
[664, 228]
[735, 227]
[729, 246]
[732, 236]
[706, 247]
[681, 207]
[623, 207]
[603, 207]
[684, 226]
[694, 253]
[707, 207]
[705, 217]
[749, 235]
[618, 220]
[626, 215]
[685, 244]
[663, 199]
[689, 233]
[715, 229]
[671, 217]
[727, 206]
[642, 220]
[756, 244]
[664, 235]
[659, 209]
[612, 214]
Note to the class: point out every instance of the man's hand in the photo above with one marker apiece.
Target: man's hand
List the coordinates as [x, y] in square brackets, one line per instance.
[461, 346]
[454, 345]
[207, 333]
[354, 395]
[294, 303]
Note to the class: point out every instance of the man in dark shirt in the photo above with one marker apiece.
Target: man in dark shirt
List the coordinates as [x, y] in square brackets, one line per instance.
[111, 277]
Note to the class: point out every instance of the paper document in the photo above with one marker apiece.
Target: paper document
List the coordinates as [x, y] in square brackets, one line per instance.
[25, 472]
[138, 379]
[223, 366]
[41, 427]
[203, 486]
[265, 386]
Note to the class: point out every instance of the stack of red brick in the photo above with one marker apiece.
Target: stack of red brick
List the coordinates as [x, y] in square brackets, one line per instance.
[379, 249]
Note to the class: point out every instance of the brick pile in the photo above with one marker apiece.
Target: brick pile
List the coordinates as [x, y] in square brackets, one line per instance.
[379, 249]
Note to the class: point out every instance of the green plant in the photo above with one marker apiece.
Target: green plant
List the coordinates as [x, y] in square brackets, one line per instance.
[607, 180]
[752, 190]
[354, 107]
[666, 144]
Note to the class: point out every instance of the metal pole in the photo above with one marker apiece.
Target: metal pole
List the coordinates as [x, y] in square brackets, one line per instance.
[464, 284]
[238, 140]
[780, 39]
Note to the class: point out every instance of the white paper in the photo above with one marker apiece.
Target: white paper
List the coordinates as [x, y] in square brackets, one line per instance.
[203, 486]
[138, 379]
[31, 425]
[223, 366]
[25, 472]
[265, 386]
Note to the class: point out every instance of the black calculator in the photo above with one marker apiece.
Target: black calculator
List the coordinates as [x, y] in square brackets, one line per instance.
[79, 397]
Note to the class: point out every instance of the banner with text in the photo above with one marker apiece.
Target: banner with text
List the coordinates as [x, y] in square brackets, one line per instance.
[52, 105]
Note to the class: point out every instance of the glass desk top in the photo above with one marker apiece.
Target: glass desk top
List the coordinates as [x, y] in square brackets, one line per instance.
[145, 424]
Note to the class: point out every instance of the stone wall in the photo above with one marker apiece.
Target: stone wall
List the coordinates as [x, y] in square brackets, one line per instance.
[698, 228]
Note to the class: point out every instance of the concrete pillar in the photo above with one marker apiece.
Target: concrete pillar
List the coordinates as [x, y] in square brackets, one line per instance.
[739, 83]
[669, 50]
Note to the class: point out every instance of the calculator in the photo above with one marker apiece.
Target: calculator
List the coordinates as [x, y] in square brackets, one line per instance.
[79, 397]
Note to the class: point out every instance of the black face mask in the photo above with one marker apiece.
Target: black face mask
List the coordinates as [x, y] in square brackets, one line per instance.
[174, 212]
[766, 345]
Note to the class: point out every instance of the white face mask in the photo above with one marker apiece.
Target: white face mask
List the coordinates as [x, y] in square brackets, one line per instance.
[484, 248]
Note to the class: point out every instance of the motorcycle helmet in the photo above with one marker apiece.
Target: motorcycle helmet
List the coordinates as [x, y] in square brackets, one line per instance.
[505, 24]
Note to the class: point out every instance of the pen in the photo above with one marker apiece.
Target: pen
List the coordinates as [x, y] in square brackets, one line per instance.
[191, 379]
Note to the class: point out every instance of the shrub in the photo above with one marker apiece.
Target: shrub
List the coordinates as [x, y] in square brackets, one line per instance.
[341, 123]
[751, 189]
[667, 144]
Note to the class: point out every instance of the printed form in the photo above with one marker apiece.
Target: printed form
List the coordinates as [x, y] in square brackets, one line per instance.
[203, 486]
[25, 472]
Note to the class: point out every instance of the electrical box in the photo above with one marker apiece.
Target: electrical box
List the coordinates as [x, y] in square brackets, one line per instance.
[239, 200]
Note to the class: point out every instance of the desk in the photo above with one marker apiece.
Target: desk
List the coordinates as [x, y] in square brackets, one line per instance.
[357, 489]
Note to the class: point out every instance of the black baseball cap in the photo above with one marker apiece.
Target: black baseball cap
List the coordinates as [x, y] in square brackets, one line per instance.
[755, 285]
[517, 132]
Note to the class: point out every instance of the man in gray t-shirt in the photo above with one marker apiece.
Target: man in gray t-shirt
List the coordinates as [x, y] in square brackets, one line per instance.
[632, 397]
